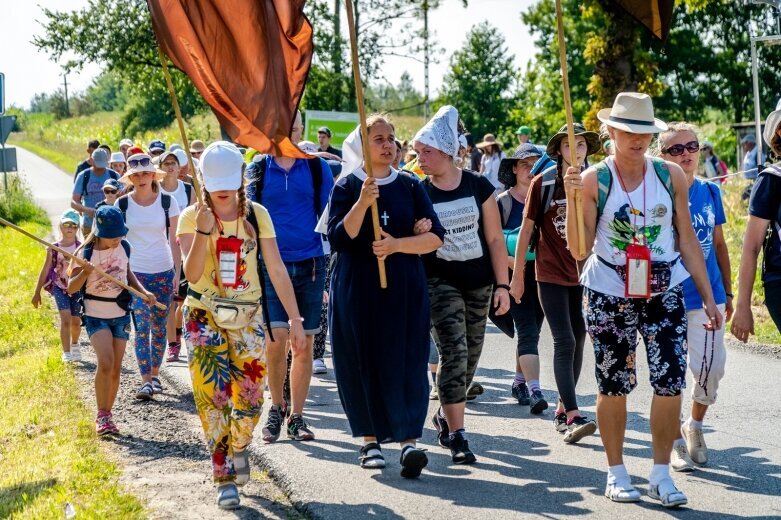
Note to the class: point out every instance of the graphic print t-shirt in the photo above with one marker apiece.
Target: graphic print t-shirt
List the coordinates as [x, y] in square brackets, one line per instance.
[61, 269]
[463, 260]
[114, 262]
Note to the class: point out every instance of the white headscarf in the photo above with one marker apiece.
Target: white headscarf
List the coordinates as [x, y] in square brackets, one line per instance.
[352, 159]
[441, 132]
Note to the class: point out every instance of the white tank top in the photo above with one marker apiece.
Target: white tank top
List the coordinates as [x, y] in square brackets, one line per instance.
[654, 219]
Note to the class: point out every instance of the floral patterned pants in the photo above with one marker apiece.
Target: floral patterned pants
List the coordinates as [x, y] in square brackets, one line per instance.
[228, 370]
[613, 324]
[149, 322]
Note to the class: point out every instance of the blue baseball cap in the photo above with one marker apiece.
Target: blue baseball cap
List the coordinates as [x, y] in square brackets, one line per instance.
[109, 222]
[157, 145]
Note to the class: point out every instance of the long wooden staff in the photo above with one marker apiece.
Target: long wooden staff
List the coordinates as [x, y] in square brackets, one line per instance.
[66, 254]
[578, 202]
[186, 145]
[364, 131]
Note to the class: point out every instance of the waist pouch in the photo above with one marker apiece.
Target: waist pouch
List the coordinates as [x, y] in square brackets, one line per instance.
[227, 314]
[661, 273]
[124, 299]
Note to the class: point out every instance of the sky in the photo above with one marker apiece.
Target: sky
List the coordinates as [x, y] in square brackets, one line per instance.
[29, 71]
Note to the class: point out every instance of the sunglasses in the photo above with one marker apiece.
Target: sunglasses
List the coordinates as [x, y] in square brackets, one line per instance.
[677, 149]
[110, 192]
[70, 225]
[135, 163]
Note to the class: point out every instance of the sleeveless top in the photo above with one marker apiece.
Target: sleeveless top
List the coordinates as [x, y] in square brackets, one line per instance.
[614, 232]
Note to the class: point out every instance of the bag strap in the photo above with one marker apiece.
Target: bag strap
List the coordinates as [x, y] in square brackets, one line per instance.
[663, 172]
[547, 190]
[505, 206]
[85, 181]
[165, 200]
[316, 170]
[188, 191]
[253, 220]
[605, 184]
[256, 174]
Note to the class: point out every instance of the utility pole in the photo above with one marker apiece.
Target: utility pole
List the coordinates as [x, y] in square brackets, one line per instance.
[426, 102]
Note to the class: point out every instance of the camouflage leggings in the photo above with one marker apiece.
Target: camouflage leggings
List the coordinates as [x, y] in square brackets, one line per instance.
[459, 317]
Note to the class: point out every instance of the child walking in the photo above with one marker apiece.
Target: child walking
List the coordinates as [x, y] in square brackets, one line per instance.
[225, 337]
[54, 279]
[106, 305]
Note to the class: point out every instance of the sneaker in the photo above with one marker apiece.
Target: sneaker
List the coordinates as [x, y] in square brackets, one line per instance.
[434, 394]
[273, 425]
[157, 386]
[241, 466]
[443, 430]
[173, 351]
[413, 460]
[537, 403]
[102, 424]
[111, 425]
[473, 391]
[298, 430]
[521, 392]
[66, 357]
[695, 444]
[228, 496]
[318, 367]
[666, 493]
[679, 459]
[146, 392]
[460, 452]
[578, 428]
[560, 422]
[75, 353]
[371, 456]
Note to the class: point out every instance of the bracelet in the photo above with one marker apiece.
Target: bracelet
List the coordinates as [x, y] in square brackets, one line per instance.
[729, 294]
[503, 286]
[202, 232]
[291, 320]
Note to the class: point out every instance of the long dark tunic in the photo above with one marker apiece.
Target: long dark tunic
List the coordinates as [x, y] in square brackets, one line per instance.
[380, 337]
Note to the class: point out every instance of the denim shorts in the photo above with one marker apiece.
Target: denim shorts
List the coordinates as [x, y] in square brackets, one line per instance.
[67, 302]
[119, 327]
[308, 279]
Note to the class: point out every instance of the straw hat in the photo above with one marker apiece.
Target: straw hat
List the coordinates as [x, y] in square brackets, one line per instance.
[632, 112]
[488, 140]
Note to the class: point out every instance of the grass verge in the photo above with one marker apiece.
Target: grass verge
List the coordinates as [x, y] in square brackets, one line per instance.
[64, 160]
[48, 449]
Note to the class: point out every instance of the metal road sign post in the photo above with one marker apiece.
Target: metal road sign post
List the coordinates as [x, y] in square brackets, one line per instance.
[7, 155]
[2, 93]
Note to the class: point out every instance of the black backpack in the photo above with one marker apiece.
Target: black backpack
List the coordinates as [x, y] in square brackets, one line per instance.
[256, 177]
[124, 299]
[253, 220]
[87, 173]
[166, 202]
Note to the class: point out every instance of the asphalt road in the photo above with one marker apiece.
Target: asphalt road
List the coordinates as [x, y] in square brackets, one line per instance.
[524, 469]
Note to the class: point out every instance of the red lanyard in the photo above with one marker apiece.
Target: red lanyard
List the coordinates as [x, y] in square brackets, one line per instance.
[220, 227]
[631, 204]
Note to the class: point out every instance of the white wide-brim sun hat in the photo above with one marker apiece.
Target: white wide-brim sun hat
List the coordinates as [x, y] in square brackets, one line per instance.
[632, 112]
[771, 123]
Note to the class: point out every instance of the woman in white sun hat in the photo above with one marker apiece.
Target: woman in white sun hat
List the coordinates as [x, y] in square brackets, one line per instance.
[633, 283]
[151, 217]
[764, 210]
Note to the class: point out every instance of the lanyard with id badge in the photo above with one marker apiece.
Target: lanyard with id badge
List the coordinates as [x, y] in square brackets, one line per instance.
[229, 258]
[637, 283]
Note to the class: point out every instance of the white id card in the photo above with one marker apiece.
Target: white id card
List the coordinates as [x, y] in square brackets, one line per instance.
[229, 267]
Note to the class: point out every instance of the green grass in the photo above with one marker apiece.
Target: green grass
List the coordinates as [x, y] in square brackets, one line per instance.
[49, 453]
[16, 204]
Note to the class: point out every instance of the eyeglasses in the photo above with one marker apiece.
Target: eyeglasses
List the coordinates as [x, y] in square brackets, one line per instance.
[70, 225]
[110, 192]
[677, 149]
[135, 163]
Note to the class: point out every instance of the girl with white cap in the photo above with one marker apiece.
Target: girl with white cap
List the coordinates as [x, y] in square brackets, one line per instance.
[224, 331]
[764, 210]
[379, 347]
[633, 281]
[151, 217]
[461, 274]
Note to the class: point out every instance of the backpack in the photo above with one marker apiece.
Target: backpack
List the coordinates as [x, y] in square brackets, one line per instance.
[165, 201]
[256, 177]
[188, 190]
[111, 173]
[605, 180]
[124, 299]
[253, 220]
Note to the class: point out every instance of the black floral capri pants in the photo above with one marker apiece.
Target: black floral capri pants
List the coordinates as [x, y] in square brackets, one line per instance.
[613, 324]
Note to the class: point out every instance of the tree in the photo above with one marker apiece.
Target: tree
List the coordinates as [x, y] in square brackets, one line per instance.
[478, 82]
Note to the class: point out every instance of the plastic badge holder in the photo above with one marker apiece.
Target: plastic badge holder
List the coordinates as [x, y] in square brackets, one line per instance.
[229, 254]
[638, 271]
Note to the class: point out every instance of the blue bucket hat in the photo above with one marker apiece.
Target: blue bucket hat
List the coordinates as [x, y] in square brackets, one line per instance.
[109, 222]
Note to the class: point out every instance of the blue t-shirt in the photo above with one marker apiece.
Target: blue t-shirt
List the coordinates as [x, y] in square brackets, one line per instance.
[765, 203]
[707, 212]
[94, 193]
[289, 198]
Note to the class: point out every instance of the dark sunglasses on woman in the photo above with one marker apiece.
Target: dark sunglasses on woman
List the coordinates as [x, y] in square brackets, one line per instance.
[144, 161]
[677, 149]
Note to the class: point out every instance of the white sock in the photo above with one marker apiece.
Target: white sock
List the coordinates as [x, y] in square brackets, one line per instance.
[75, 346]
[618, 475]
[406, 445]
[658, 473]
[678, 442]
[696, 425]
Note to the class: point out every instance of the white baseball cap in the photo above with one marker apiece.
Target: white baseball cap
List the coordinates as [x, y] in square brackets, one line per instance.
[180, 156]
[221, 167]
